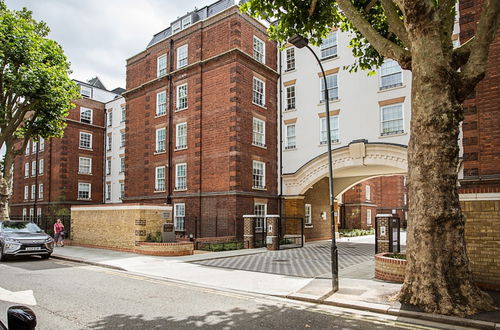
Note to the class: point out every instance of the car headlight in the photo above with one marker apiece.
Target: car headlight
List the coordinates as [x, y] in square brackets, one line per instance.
[49, 240]
[11, 240]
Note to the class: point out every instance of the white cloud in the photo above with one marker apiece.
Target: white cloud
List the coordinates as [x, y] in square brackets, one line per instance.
[98, 36]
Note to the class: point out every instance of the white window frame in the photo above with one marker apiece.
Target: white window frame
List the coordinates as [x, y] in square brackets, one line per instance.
[329, 49]
[32, 212]
[25, 213]
[161, 144]
[180, 181]
[290, 99]
[176, 27]
[288, 137]
[180, 216]
[161, 103]
[33, 168]
[122, 165]
[26, 192]
[186, 21]
[402, 119]
[331, 89]
[391, 73]
[86, 115]
[323, 136]
[33, 191]
[259, 54]
[34, 145]
[368, 217]
[41, 145]
[258, 92]
[255, 175]
[90, 140]
[160, 178]
[161, 65]
[122, 139]
[109, 118]
[108, 166]
[122, 190]
[181, 102]
[258, 132]
[82, 167]
[108, 191]
[290, 58]
[182, 51]
[308, 215]
[26, 169]
[86, 91]
[41, 165]
[368, 193]
[40, 191]
[39, 212]
[109, 142]
[86, 184]
[27, 150]
[260, 219]
[181, 136]
[123, 113]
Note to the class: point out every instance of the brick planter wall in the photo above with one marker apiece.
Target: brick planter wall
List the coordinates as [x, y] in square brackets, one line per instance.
[165, 249]
[389, 269]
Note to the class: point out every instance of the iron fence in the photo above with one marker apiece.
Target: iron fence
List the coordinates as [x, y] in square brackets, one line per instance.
[46, 222]
[291, 232]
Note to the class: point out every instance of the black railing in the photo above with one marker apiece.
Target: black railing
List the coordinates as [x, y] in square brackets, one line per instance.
[291, 232]
[260, 232]
[220, 246]
[46, 222]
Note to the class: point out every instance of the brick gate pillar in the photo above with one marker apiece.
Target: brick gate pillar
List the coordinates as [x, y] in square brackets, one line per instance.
[273, 240]
[248, 231]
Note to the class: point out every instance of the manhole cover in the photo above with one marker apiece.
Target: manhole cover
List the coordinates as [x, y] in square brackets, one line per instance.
[281, 260]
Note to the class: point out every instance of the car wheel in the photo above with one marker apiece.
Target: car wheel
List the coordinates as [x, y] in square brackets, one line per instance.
[3, 257]
[45, 256]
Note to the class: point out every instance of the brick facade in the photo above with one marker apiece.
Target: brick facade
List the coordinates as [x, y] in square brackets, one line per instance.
[219, 117]
[61, 175]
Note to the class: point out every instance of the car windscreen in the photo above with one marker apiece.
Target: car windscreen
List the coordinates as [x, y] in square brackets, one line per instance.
[20, 227]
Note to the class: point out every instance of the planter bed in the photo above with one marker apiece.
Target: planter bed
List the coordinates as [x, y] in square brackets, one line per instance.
[389, 269]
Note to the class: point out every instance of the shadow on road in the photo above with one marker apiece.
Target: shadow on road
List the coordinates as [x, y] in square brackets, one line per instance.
[33, 263]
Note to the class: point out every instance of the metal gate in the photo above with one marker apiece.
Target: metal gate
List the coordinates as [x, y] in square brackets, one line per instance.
[260, 232]
[291, 232]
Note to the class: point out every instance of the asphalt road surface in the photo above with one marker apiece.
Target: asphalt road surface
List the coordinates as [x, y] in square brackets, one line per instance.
[76, 296]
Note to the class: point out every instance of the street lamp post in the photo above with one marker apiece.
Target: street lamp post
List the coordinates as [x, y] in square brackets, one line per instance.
[301, 42]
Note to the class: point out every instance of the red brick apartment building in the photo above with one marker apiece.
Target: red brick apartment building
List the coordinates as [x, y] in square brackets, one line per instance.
[382, 195]
[57, 173]
[202, 121]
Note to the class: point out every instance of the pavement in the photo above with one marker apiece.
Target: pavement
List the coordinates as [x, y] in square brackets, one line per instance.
[300, 274]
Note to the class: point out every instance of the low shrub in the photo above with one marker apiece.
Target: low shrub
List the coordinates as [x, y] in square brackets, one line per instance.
[154, 238]
[396, 256]
[216, 247]
[356, 232]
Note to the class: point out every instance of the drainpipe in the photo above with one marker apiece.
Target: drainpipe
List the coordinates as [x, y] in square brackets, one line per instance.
[280, 200]
[201, 137]
[170, 121]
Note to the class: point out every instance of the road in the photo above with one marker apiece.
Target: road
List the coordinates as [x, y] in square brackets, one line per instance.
[76, 296]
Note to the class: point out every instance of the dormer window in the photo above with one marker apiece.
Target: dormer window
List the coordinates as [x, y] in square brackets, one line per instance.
[86, 91]
[186, 21]
[176, 27]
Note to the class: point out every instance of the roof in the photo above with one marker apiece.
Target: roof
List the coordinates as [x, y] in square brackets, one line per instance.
[196, 15]
[118, 90]
[96, 82]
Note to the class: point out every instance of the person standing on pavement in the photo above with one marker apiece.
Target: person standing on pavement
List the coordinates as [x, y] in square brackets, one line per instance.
[59, 232]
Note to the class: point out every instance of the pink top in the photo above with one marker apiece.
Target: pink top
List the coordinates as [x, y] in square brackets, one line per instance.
[58, 227]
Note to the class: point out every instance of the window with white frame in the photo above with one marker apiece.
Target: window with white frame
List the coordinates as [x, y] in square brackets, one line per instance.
[32, 213]
[85, 140]
[160, 178]
[259, 175]
[182, 56]
[123, 113]
[27, 150]
[368, 217]
[108, 166]
[259, 50]
[259, 92]
[33, 168]
[108, 191]
[161, 65]
[176, 27]
[291, 140]
[260, 212]
[85, 165]
[160, 139]
[26, 170]
[290, 98]
[328, 47]
[368, 193]
[41, 164]
[307, 215]
[334, 130]
[85, 91]
[290, 59]
[86, 115]
[391, 75]
[179, 216]
[26, 192]
[33, 191]
[39, 212]
[181, 176]
[259, 132]
[333, 88]
[161, 103]
[41, 144]
[122, 164]
[109, 142]
[181, 136]
[110, 118]
[25, 213]
[34, 147]
[122, 139]
[391, 119]
[122, 190]
[40, 191]
[83, 190]
[186, 21]
[182, 96]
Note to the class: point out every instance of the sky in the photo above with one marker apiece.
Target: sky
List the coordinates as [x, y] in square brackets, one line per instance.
[99, 35]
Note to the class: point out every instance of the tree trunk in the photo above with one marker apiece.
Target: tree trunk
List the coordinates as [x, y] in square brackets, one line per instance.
[4, 198]
[438, 277]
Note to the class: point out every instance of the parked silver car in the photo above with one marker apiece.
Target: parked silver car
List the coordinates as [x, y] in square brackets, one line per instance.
[24, 238]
